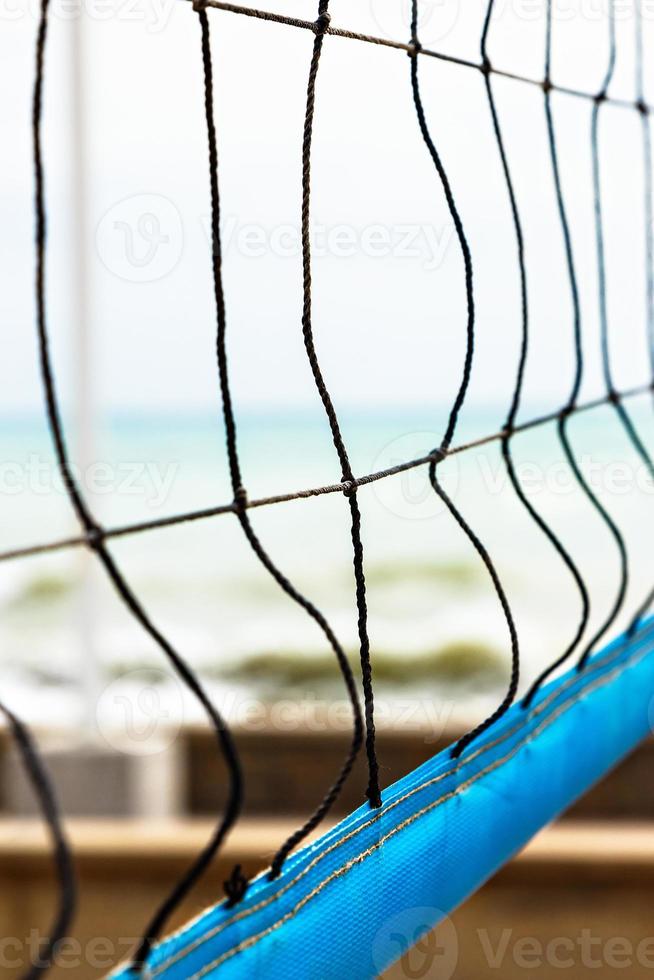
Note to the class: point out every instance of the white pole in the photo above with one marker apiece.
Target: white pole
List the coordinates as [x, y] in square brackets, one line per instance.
[90, 677]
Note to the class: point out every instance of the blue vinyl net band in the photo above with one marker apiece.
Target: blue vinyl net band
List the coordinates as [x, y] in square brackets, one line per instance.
[443, 830]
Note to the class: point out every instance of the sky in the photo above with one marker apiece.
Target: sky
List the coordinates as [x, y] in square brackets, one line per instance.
[127, 189]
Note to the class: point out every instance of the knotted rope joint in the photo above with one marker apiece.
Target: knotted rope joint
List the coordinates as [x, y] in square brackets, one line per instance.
[95, 536]
[240, 499]
[323, 20]
[235, 886]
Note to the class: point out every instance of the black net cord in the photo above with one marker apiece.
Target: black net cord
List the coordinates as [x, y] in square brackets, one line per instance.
[648, 201]
[623, 416]
[310, 25]
[373, 792]
[648, 229]
[571, 406]
[514, 680]
[621, 412]
[240, 496]
[63, 861]
[95, 539]
[439, 454]
[95, 536]
[204, 513]
[460, 234]
[524, 350]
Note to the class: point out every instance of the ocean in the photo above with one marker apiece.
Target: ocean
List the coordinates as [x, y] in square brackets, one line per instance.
[437, 632]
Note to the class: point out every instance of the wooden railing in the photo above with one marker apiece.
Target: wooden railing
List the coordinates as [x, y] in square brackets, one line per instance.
[576, 903]
[580, 893]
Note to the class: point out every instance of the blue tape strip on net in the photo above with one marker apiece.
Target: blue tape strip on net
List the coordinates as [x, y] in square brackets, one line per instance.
[442, 831]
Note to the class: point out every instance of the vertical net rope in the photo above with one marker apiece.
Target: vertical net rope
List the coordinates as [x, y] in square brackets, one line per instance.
[623, 416]
[509, 426]
[235, 469]
[95, 539]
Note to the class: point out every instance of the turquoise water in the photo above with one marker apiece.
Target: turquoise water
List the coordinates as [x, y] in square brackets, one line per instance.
[430, 600]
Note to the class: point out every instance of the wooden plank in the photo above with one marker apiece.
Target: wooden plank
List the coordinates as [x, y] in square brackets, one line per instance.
[295, 782]
[572, 847]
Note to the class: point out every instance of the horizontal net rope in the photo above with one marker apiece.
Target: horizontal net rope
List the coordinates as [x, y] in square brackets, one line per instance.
[158, 523]
[407, 47]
